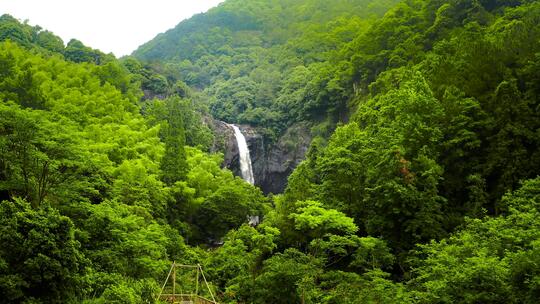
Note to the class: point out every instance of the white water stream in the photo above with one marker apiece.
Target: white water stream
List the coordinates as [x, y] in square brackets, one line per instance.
[245, 159]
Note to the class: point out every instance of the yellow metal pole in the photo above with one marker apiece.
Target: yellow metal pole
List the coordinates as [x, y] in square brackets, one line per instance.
[166, 280]
[206, 282]
[174, 281]
[197, 283]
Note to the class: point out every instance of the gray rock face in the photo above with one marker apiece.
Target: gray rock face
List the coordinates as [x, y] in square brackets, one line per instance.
[283, 157]
[273, 164]
[225, 142]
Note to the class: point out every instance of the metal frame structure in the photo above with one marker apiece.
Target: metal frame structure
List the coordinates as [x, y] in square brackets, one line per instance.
[186, 298]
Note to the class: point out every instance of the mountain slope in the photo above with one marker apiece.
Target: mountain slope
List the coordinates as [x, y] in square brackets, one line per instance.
[252, 23]
[442, 103]
[252, 59]
[97, 193]
[420, 184]
[270, 65]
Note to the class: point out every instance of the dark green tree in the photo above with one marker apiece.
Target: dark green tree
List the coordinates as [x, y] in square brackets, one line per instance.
[173, 163]
[40, 260]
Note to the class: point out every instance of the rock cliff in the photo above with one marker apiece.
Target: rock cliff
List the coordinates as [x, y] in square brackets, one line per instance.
[272, 164]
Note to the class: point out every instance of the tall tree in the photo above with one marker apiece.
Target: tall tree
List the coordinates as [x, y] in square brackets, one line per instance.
[39, 256]
[173, 164]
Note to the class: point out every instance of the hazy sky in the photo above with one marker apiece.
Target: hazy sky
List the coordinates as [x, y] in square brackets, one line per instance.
[117, 26]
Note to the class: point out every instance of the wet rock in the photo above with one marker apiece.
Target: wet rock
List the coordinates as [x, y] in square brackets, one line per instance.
[272, 164]
[283, 157]
[225, 142]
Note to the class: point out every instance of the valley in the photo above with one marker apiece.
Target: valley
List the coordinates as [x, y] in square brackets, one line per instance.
[277, 151]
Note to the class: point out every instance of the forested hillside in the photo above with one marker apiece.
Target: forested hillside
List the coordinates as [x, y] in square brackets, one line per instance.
[420, 185]
[266, 63]
[98, 199]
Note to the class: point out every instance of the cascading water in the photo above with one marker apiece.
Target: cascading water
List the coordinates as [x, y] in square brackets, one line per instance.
[245, 159]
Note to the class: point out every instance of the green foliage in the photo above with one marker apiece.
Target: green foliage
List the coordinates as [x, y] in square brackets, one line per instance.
[120, 240]
[312, 218]
[76, 51]
[373, 287]
[382, 170]
[99, 222]
[235, 264]
[43, 41]
[372, 254]
[219, 201]
[425, 122]
[40, 259]
[128, 292]
[228, 207]
[11, 29]
[197, 133]
[173, 164]
[39, 158]
[281, 276]
[484, 262]
[268, 64]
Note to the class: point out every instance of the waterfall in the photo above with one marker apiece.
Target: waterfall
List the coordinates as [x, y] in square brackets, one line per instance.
[245, 159]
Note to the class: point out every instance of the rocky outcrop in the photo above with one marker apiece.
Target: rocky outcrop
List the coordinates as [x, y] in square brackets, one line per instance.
[225, 142]
[272, 164]
[282, 158]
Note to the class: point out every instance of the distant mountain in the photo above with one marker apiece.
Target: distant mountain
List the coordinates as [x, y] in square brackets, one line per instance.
[252, 23]
[265, 63]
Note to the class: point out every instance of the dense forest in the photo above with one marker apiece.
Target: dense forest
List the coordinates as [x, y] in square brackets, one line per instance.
[421, 183]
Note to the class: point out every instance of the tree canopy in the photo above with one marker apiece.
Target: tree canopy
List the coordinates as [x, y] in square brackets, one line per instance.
[420, 184]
